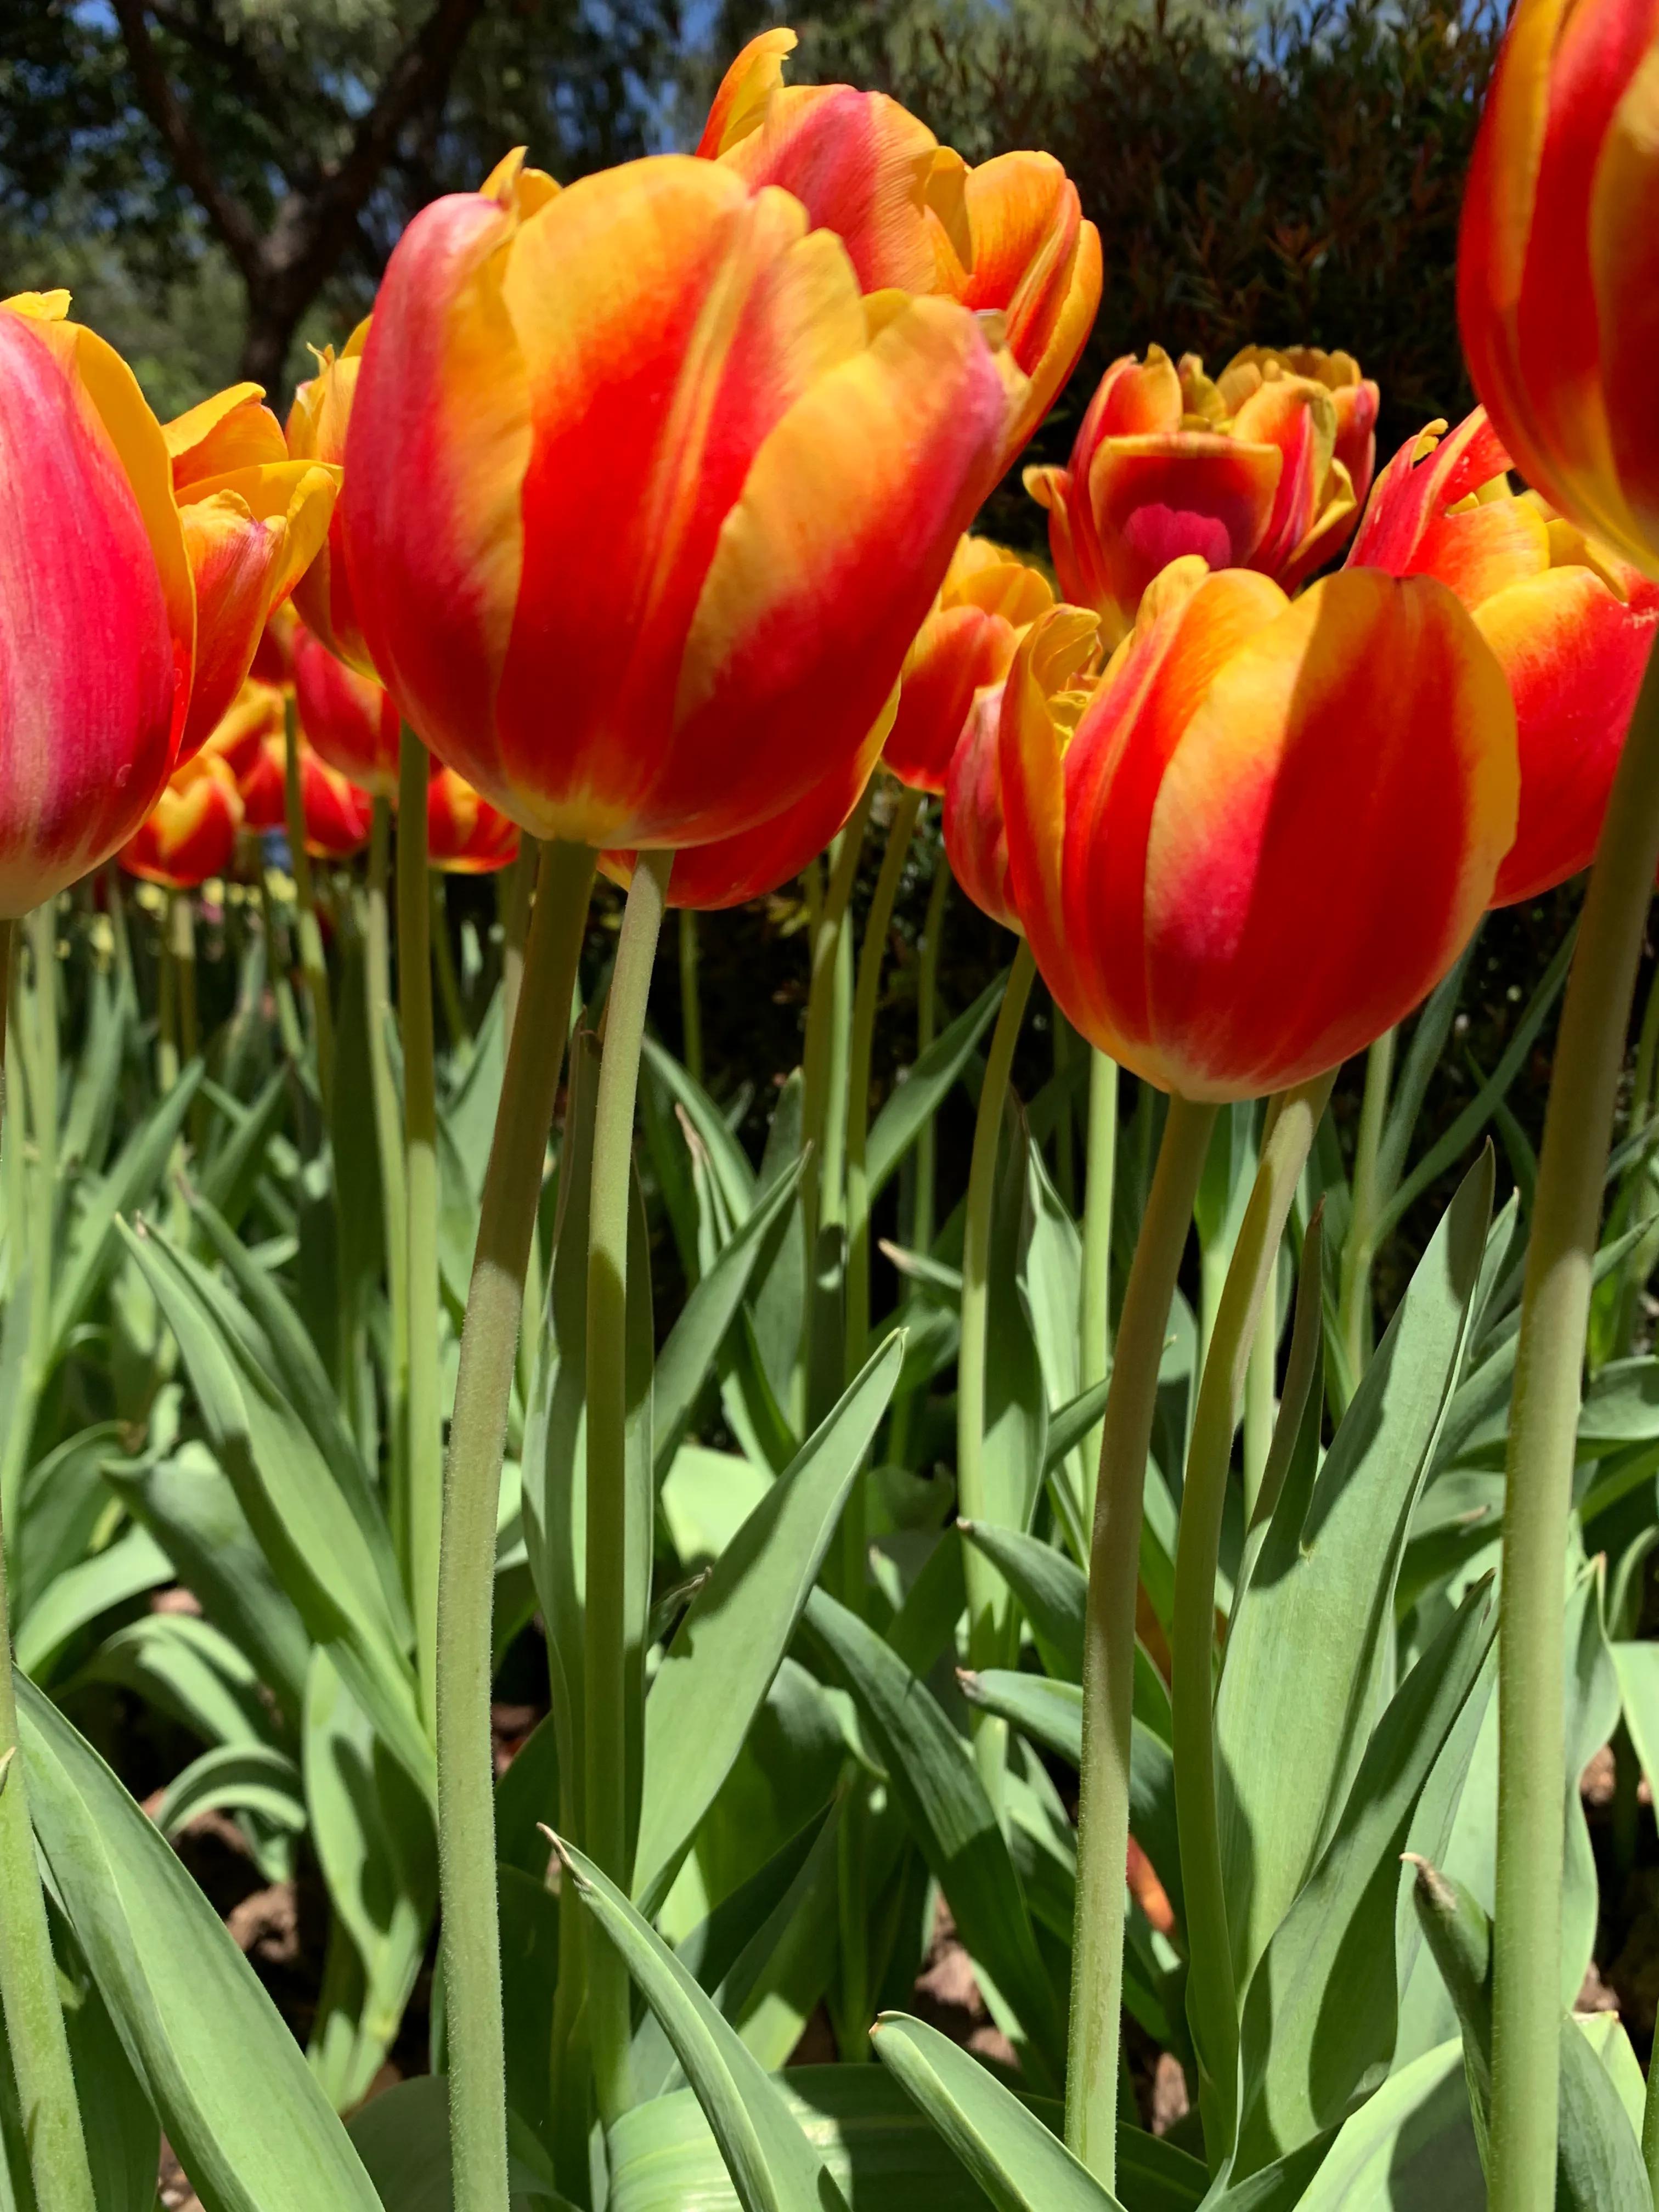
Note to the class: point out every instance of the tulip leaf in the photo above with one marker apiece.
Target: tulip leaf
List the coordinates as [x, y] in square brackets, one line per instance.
[402, 2136]
[252, 1777]
[1319, 2013]
[737, 1627]
[734, 1177]
[249, 2123]
[772, 2166]
[1408, 2148]
[188, 1669]
[931, 1772]
[1017, 2162]
[133, 1563]
[1311, 1642]
[1052, 1590]
[915, 1101]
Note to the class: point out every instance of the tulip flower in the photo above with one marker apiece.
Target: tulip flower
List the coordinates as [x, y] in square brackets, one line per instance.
[780, 470]
[1558, 263]
[317, 431]
[273, 656]
[1245, 471]
[1354, 397]
[1572, 624]
[986, 601]
[464, 834]
[254, 519]
[239, 737]
[1273, 828]
[1008, 236]
[349, 718]
[189, 834]
[97, 615]
[335, 811]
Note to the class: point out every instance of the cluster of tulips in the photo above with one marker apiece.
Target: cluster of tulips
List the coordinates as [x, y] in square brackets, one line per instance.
[632, 522]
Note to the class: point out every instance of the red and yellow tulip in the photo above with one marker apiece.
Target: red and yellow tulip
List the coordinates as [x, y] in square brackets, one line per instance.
[652, 500]
[1273, 828]
[986, 601]
[1557, 265]
[254, 519]
[317, 425]
[1572, 624]
[349, 718]
[1247, 470]
[239, 735]
[335, 813]
[97, 611]
[189, 834]
[465, 835]
[1007, 237]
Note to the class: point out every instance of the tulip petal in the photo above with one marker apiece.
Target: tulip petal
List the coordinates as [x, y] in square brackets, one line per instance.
[740, 106]
[231, 430]
[1624, 244]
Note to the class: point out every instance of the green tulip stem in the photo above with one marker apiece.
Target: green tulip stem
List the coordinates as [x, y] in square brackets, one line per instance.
[609, 1724]
[987, 1593]
[312, 966]
[181, 943]
[1109, 1648]
[389, 1146]
[423, 1441]
[691, 998]
[449, 982]
[513, 885]
[37, 1034]
[48, 2110]
[1260, 1400]
[1099, 1198]
[1212, 2000]
[277, 955]
[1359, 1247]
[926, 1152]
[167, 1010]
[1589, 1055]
[821, 1202]
[466, 1578]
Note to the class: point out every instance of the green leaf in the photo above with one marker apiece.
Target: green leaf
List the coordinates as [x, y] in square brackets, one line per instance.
[924, 1090]
[243, 1777]
[229, 1180]
[1069, 1424]
[931, 1772]
[1318, 2015]
[1049, 1712]
[248, 2123]
[133, 1563]
[188, 1669]
[403, 2138]
[729, 1162]
[727, 1650]
[1310, 1649]
[302, 1523]
[1052, 1590]
[1409, 2149]
[1019, 2165]
[93, 1247]
[772, 2166]
[63, 1501]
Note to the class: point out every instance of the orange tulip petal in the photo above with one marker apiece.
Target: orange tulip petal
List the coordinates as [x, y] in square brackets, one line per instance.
[740, 106]
[231, 430]
[190, 833]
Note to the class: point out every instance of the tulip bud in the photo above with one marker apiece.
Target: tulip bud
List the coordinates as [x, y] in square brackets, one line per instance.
[1274, 829]
[317, 431]
[189, 834]
[984, 604]
[1247, 473]
[1572, 624]
[349, 718]
[97, 616]
[1558, 263]
[464, 834]
[651, 500]
[1007, 237]
[254, 521]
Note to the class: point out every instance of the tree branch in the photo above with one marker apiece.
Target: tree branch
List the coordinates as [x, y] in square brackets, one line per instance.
[421, 71]
[229, 216]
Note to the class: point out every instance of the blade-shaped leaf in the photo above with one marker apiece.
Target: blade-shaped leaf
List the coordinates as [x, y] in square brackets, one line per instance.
[918, 1098]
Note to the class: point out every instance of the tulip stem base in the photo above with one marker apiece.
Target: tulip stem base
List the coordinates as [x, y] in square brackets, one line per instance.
[312, 966]
[1212, 2000]
[988, 1599]
[1590, 1052]
[466, 1579]
[48, 2109]
[613, 1647]
[1108, 1649]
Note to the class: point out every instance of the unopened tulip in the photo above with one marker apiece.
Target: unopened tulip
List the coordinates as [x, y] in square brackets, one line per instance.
[1558, 264]
[1273, 828]
[335, 813]
[644, 504]
[1246, 471]
[465, 835]
[1008, 237]
[189, 834]
[986, 601]
[254, 519]
[239, 736]
[317, 424]
[1572, 624]
[97, 615]
[349, 718]
[975, 825]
